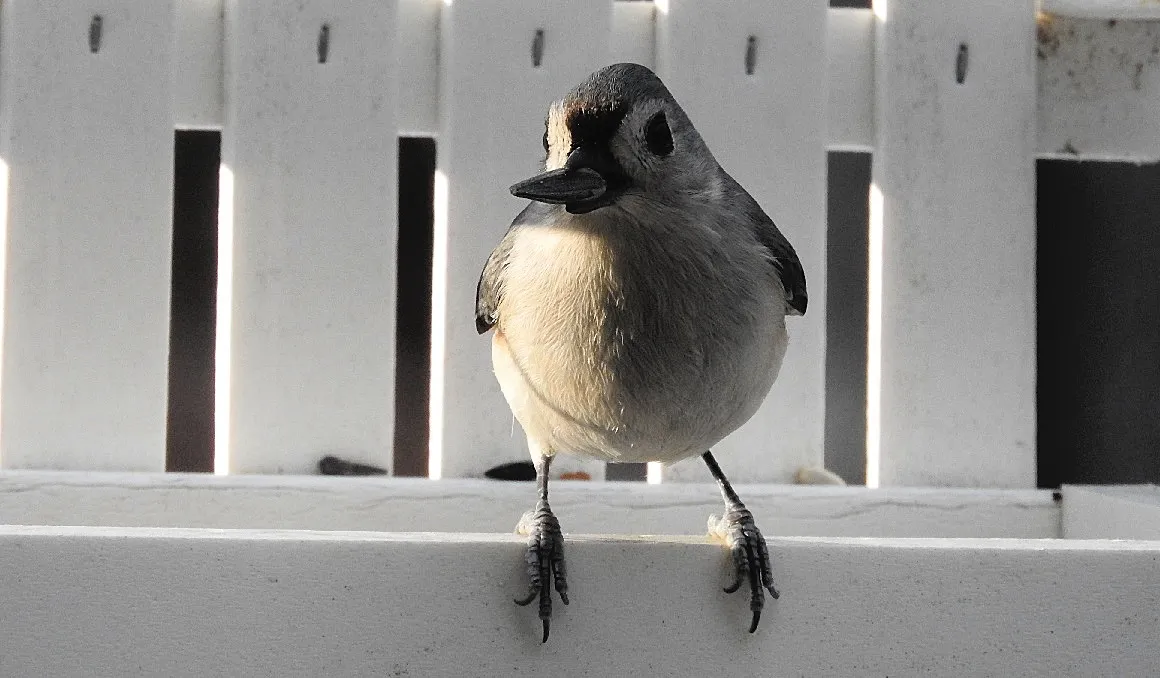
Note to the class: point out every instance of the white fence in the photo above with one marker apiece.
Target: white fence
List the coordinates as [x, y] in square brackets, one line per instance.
[307, 224]
[179, 575]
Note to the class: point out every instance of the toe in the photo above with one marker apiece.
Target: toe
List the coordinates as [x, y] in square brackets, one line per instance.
[527, 600]
[732, 588]
[545, 563]
[751, 562]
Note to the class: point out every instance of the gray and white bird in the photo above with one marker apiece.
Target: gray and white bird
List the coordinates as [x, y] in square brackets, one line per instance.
[638, 305]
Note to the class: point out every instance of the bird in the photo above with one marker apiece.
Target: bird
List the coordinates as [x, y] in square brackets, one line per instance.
[637, 307]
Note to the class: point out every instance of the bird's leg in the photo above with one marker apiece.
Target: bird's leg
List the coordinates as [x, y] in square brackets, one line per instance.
[750, 555]
[545, 556]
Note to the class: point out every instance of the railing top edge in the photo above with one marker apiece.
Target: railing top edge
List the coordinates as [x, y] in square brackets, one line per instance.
[1148, 494]
[644, 541]
[21, 480]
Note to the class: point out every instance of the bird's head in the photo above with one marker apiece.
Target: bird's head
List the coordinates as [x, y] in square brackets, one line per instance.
[618, 133]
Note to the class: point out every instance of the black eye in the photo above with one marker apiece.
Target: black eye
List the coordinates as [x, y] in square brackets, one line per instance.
[657, 135]
[545, 141]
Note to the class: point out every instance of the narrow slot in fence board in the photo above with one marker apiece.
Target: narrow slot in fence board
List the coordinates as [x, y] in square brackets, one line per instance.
[197, 163]
[158, 602]
[87, 149]
[848, 184]
[413, 324]
[767, 129]
[309, 160]
[953, 244]
[493, 103]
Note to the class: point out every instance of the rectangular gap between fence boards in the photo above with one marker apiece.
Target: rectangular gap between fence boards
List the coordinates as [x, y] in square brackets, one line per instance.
[413, 328]
[189, 424]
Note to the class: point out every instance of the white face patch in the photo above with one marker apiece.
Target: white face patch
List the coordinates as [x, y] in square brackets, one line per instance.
[559, 138]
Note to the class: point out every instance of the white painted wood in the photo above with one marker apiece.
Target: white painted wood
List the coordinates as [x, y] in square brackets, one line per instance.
[87, 146]
[197, 75]
[634, 33]
[1097, 110]
[468, 505]
[311, 151]
[492, 107]
[416, 41]
[850, 80]
[1099, 89]
[1103, 9]
[1111, 512]
[115, 601]
[954, 167]
[768, 131]
[199, 43]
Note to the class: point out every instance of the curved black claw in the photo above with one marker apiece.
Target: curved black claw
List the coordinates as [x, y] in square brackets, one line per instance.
[545, 562]
[750, 558]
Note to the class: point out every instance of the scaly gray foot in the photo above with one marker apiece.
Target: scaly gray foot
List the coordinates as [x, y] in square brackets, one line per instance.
[750, 556]
[545, 560]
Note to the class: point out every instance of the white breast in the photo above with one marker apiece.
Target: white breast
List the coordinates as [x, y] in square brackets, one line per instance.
[634, 346]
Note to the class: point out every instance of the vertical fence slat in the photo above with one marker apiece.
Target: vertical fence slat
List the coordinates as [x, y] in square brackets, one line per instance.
[1103, 9]
[87, 148]
[634, 33]
[492, 106]
[953, 229]
[767, 129]
[1098, 89]
[850, 80]
[417, 49]
[309, 183]
[197, 76]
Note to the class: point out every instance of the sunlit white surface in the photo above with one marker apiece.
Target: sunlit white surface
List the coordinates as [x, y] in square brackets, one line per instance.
[874, 342]
[225, 297]
[438, 326]
[3, 265]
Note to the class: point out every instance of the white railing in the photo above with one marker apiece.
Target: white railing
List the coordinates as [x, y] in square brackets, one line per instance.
[115, 601]
[167, 574]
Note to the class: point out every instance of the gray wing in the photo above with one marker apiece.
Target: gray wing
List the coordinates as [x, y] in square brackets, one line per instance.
[490, 286]
[781, 254]
[489, 289]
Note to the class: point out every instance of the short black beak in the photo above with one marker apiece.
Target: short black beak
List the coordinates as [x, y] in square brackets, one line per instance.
[562, 186]
[588, 180]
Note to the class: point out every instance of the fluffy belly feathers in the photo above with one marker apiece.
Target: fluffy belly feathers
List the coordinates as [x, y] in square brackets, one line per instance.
[601, 360]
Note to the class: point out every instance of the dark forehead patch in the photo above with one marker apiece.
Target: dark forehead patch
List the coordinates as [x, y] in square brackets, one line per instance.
[594, 109]
[593, 125]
